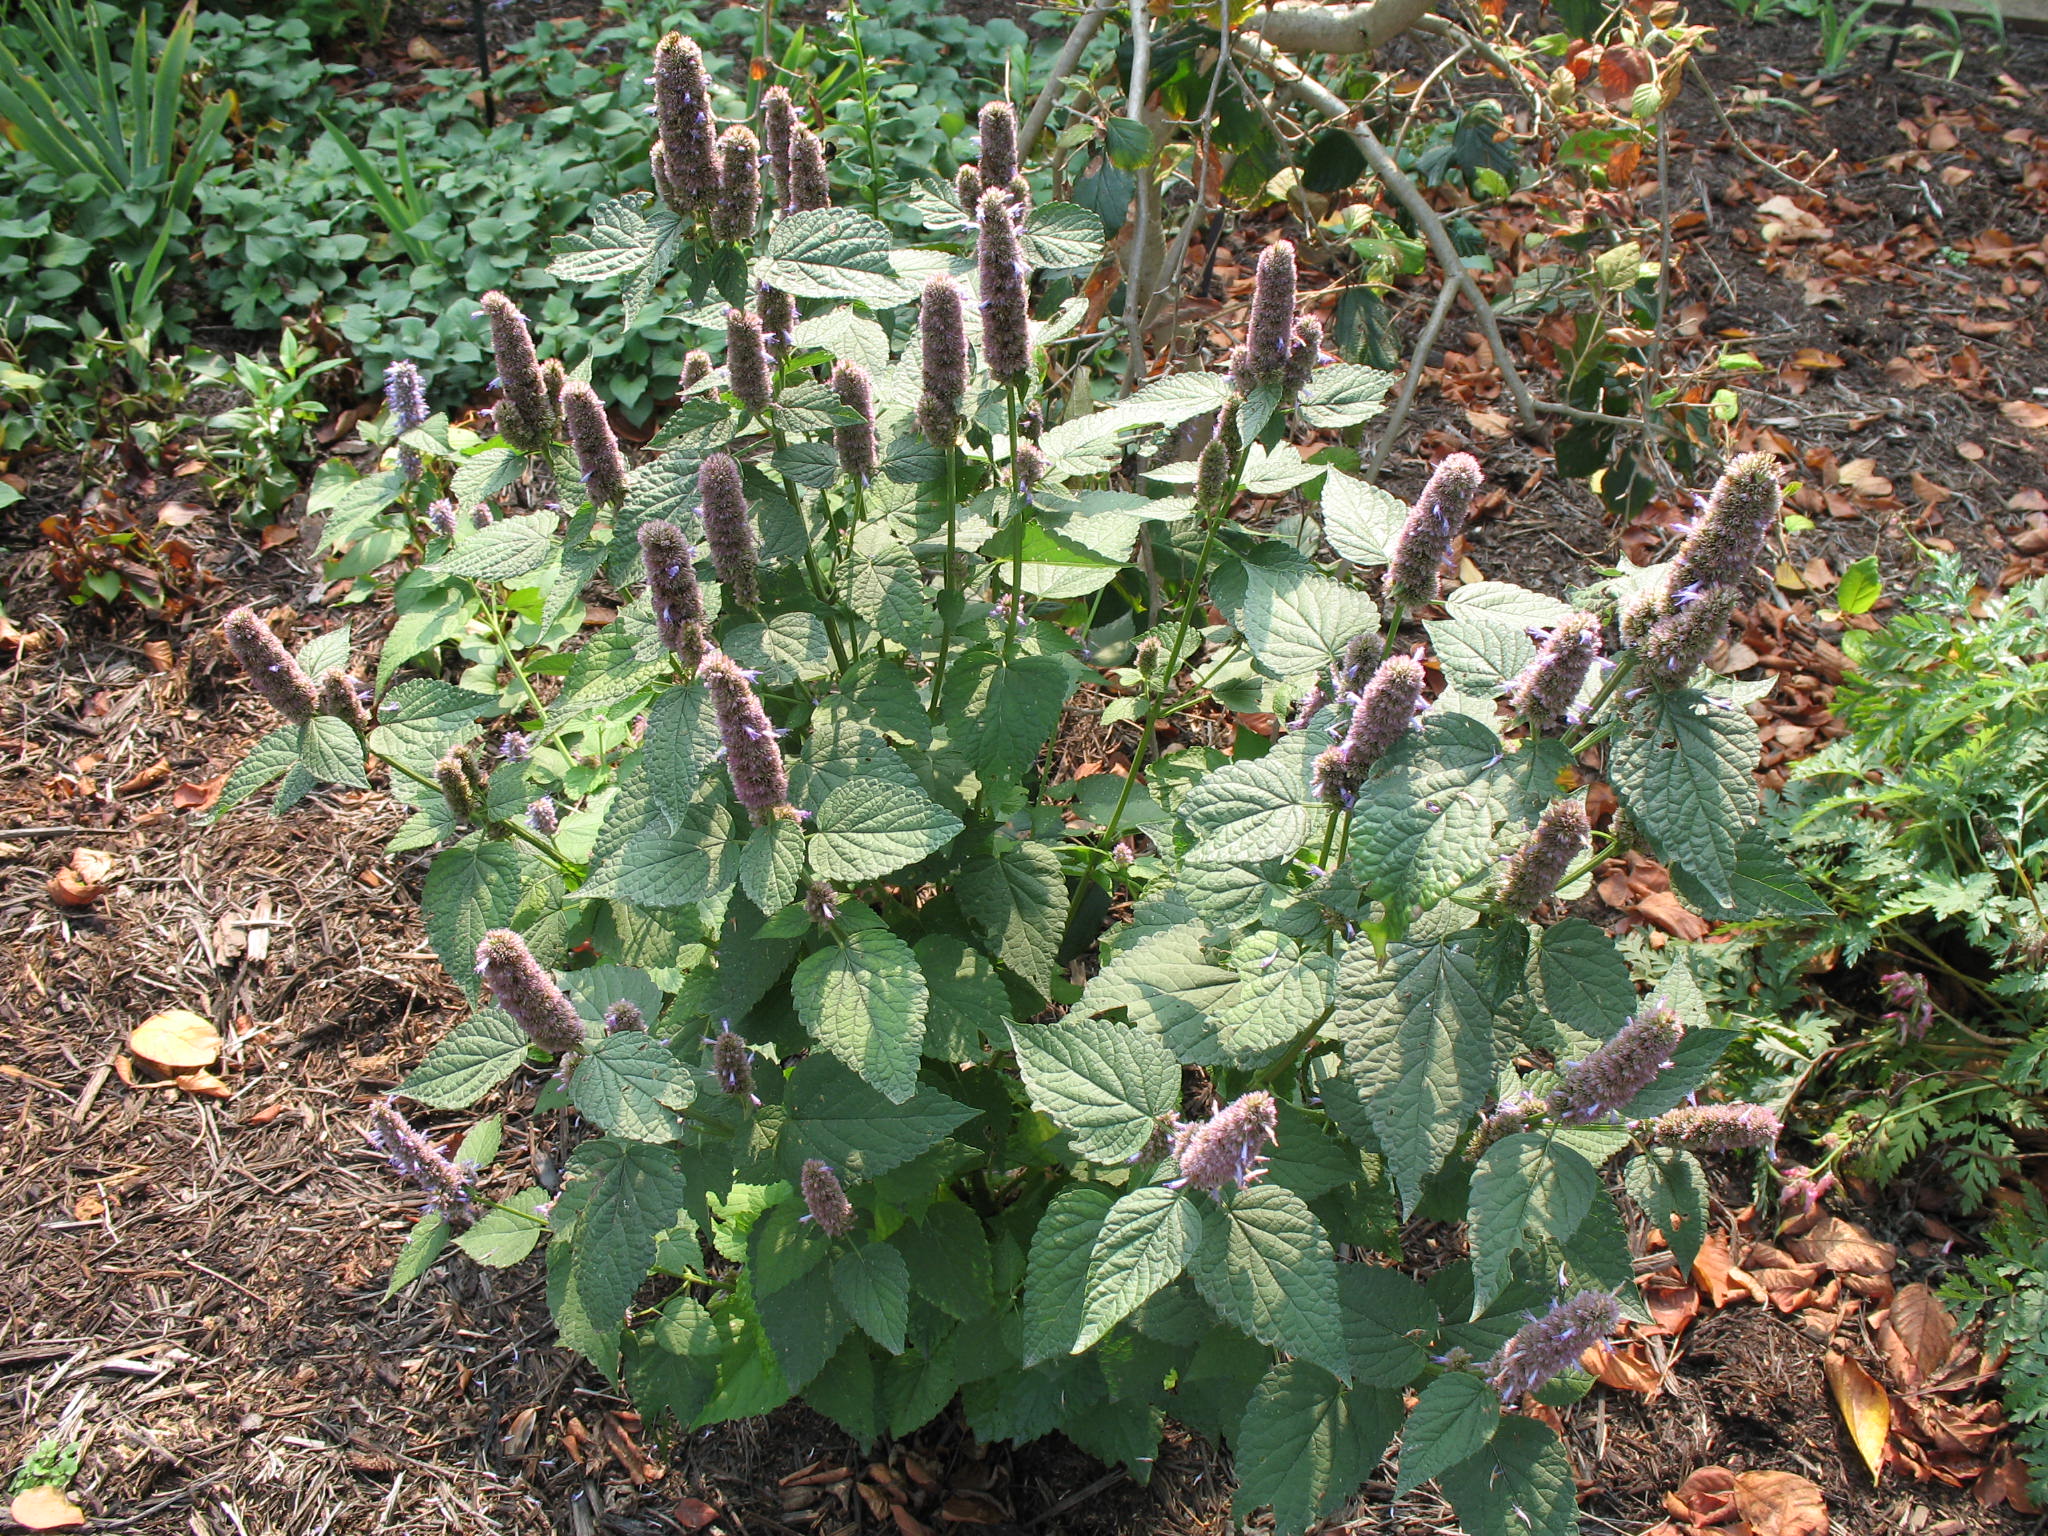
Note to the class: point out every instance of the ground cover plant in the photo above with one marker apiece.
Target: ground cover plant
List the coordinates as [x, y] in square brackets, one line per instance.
[1137, 1075]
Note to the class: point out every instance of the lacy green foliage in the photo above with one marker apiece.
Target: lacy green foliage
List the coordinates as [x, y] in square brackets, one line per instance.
[881, 1145]
[1925, 833]
[2012, 1280]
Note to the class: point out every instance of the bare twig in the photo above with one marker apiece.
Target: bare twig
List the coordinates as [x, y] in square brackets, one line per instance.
[1147, 200]
[1171, 287]
[1397, 417]
[1085, 27]
[1699, 78]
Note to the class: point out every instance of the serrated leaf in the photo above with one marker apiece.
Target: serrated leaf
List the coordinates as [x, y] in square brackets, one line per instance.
[1146, 1240]
[969, 1005]
[472, 1059]
[1105, 1084]
[1387, 1320]
[331, 752]
[1507, 605]
[870, 827]
[1671, 1189]
[1059, 236]
[1683, 770]
[631, 1192]
[840, 1120]
[1165, 984]
[1764, 884]
[470, 889]
[1361, 521]
[1015, 896]
[865, 1000]
[1523, 1183]
[692, 863]
[1478, 657]
[788, 647]
[271, 758]
[614, 240]
[681, 744]
[423, 1245]
[1056, 1274]
[873, 1283]
[1453, 1419]
[806, 1325]
[949, 1250]
[631, 1084]
[1000, 713]
[422, 721]
[1306, 1444]
[510, 548]
[324, 651]
[833, 253]
[1343, 395]
[427, 616]
[848, 335]
[505, 1236]
[1581, 979]
[1248, 811]
[1521, 1484]
[772, 864]
[1298, 624]
[1266, 1265]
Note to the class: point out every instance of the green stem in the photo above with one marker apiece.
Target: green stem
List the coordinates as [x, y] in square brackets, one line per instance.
[1016, 622]
[1329, 841]
[524, 834]
[1285, 1063]
[490, 612]
[867, 108]
[1615, 679]
[951, 579]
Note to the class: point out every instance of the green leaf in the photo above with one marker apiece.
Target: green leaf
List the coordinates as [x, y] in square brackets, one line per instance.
[271, 758]
[1146, 1240]
[332, 752]
[1523, 1183]
[505, 1236]
[839, 1119]
[1343, 395]
[1129, 143]
[511, 547]
[681, 743]
[1266, 1266]
[865, 1000]
[833, 253]
[428, 614]
[1861, 587]
[873, 1284]
[1765, 884]
[1581, 979]
[788, 647]
[1164, 983]
[470, 889]
[480, 476]
[1508, 606]
[870, 827]
[612, 241]
[1305, 1445]
[1479, 658]
[1015, 896]
[1298, 623]
[1453, 1419]
[1671, 1188]
[1387, 1320]
[1521, 1484]
[422, 721]
[693, 862]
[1054, 565]
[423, 1245]
[1248, 811]
[1418, 1040]
[1683, 770]
[969, 1005]
[631, 1084]
[1056, 1274]
[806, 1325]
[472, 1059]
[949, 1251]
[1361, 521]
[631, 1193]
[1000, 714]
[1105, 1084]
[325, 651]
[772, 864]
[1062, 236]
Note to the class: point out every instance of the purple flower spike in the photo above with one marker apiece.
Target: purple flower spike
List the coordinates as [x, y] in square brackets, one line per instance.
[542, 817]
[1679, 643]
[441, 517]
[825, 1200]
[1548, 1345]
[746, 361]
[855, 440]
[998, 144]
[967, 186]
[1229, 1148]
[1912, 1010]
[738, 206]
[1425, 539]
[760, 779]
[673, 592]
[1313, 703]
[727, 528]
[810, 182]
[597, 448]
[1729, 540]
[1005, 307]
[342, 697]
[942, 342]
[1717, 1128]
[1361, 656]
[1307, 352]
[527, 993]
[1594, 1089]
[682, 119]
[1383, 715]
[732, 1063]
[822, 903]
[524, 414]
[273, 670]
[778, 318]
[1540, 866]
[778, 128]
[405, 396]
[1218, 464]
[1549, 686]
[1269, 333]
[450, 1186]
[696, 369]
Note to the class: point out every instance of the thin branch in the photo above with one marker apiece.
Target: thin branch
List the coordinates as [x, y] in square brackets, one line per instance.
[1085, 27]
[1399, 415]
[1699, 78]
[1147, 200]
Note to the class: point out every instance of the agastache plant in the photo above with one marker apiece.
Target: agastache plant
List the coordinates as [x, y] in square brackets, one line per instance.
[450, 1186]
[596, 446]
[948, 853]
[737, 208]
[405, 396]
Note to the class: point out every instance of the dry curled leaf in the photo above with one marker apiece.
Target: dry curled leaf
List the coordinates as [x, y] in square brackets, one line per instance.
[1781, 1504]
[1865, 1406]
[1917, 1335]
[176, 1040]
[84, 879]
[45, 1509]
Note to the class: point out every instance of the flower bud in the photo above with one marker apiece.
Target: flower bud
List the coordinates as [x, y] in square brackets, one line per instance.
[778, 318]
[778, 126]
[623, 1017]
[1150, 658]
[942, 342]
[527, 993]
[441, 517]
[273, 670]
[1216, 468]
[821, 902]
[738, 208]
[542, 817]
[1547, 1346]
[1269, 333]
[1678, 644]
[682, 119]
[855, 440]
[746, 362]
[1912, 1010]
[727, 528]
[1425, 538]
[672, 590]
[467, 800]
[732, 1063]
[450, 1186]
[515, 747]
[1539, 867]
[405, 396]
[1361, 656]
[1594, 1089]
[810, 182]
[998, 144]
[967, 186]
[760, 780]
[524, 415]
[825, 1200]
[554, 378]
[1312, 703]
[696, 369]
[666, 187]
[1717, 1128]
[1382, 716]
[1728, 540]
[1229, 1148]
[1301, 361]
[1548, 689]
[1005, 308]
[597, 449]
[1509, 1117]
[1031, 464]
[342, 697]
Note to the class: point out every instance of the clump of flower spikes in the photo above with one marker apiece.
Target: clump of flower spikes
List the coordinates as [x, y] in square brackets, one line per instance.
[942, 343]
[821, 904]
[1675, 624]
[1717, 1128]
[1384, 713]
[1674, 646]
[596, 446]
[275, 672]
[1425, 538]
[1594, 1088]
[722, 504]
[405, 396]
[1229, 1148]
[1005, 306]
[687, 170]
[1549, 686]
[760, 779]
[527, 993]
[1269, 330]
[1539, 866]
[1546, 1346]
[824, 1199]
[525, 412]
[672, 591]
[450, 1185]
[737, 208]
[464, 787]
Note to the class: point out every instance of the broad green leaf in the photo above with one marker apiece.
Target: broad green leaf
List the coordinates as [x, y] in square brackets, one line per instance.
[1060, 236]
[1523, 1183]
[1507, 605]
[612, 240]
[325, 651]
[1053, 565]
[1000, 714]
[479, 477]
[510, 548]
[1581, 980]
[969, 1006]
[1453, 1419]
[472, 1059]
[1105, 1084]
[833, 253]
[681, 744]
[632, 1192]
[632, 1085]
[1521, 1484]
[1056, 1276]
[1015, 896]
[948, 1250]
[772, 864]
[423, 1245]
[1425, 820]
[1764, 883]
[1266, 1266]
[1306, 1444]
[271, 758]
[806, 1324]
[848, 335]
[422, 721]
[1166, 984]
[508, 1234]
[1861, 587]
[695, 861]
[1683, 769]
[1146, 1240]
[1671, 1188]
[332, 752]
[1343, 395]
[873, 1284]
[845, 1391]
[869, 828]
[1388, 1319]
[1248, 811]
[1479, 657]
[470, 889]
[788, 647]
[1361, 521]
[865, 1001]
[1298, 625]
[839, 1119]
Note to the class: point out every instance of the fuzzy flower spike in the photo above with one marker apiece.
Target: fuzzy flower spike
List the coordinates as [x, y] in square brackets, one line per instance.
[942, 343]
[273, 670]
[727, 528]
[778, 125]
[405, 396]
[597, 447]
[825, 1199]
[1384, 713]
[1678, 644]
[524, 414]
[673, 591]
[1717, 1128]
[527, 993]
[1546, 1346]
[810, 180]
[760, 779]
[732, 1063]
[855, 440]
[737, 208]
[1005, 307]
[682, 120]
[998, 144]
[1269, 332]
[1425, 539]
[1229, 1148]
[746, 361]
[1729, 538]
[1549, 686]
[1540, 865]
[1595, 1088]
[450, 1185]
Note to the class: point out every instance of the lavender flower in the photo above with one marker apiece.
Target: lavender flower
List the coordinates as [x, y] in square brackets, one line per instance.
[597, 449]
[553, 377]
[1383, 714]
[738, 206]
[1912, 1008]
[1005, 309]
[1301, 361]
[998, 144]
[967, 187]
[1678, 644]
[450, 1186]
[527, 993]
[1361, 656]
[732, 1063]
[441, 517]
[682, 119]
[342, 697]
[274, 671]
[1717, 1128]
[1593, 1089]
[1509, 1117]
[746, 361]
[1425, 539]
[1548, 1345]
[524, 414]
[778, 318]
[1216, 469]
[696, 369]
[624, 1016]
[405, 396]
[515, 747]
[855, 440]
[1229, 1148]
[666, 187]
[942, 340]
[1031, 464]
[760, 781]
[825, 1200]
[542, 817]
[821, 902]
[1312, 703]
[468, 796]
[728, 529]
[1540, 865]
[672, 591]
[1269, 333]
[778, 126]
[1549, 686]
[1729, 538]
[810, 183]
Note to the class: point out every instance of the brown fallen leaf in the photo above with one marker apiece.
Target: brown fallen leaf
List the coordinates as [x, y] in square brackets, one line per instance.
[2026, 413]
[1705, 1498]
[176, 1040]
[1624, 1367]
[45, 1509]
[1865, 1406]
[203, 1084]
[1668, 913]
[1710, 1268]
[1917, 1335]
[84, 879]
[973, 1508]
[1844, 1246]
[694, 1514]
[1781, 1504]
[200, 795]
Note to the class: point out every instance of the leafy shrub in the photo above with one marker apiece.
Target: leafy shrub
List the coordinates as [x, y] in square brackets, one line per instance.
[2013, 1280]
[781, 891]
